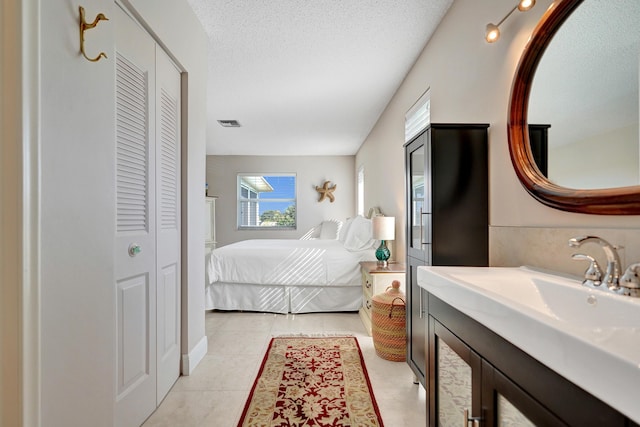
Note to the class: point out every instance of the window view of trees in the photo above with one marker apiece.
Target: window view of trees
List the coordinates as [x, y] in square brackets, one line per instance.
[285, 219]
[267, 201]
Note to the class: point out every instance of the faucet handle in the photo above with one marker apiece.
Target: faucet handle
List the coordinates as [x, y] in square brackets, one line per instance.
[593, 274]
[630, 280]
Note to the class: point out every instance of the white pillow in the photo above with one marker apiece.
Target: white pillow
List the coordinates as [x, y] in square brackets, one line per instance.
[360, 235]
[330, 229]
[312, 234]
[344, 229]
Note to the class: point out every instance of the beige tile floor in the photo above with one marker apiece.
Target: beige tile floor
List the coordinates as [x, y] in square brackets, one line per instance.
[215, 394]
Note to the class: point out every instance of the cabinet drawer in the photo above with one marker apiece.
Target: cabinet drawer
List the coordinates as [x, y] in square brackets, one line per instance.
[366, 306]
[367, 285]
[374, 284]
[383, 282]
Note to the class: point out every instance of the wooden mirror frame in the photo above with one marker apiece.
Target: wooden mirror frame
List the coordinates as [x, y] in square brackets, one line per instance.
[609, 201]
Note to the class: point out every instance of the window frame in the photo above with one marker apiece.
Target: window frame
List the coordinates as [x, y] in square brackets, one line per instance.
[360, 190]
[418, 118]
[240, 200]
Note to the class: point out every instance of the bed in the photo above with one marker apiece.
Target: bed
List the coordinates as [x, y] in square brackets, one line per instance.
[318, 273]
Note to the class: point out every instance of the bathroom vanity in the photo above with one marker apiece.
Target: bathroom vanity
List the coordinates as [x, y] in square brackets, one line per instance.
[517, 346]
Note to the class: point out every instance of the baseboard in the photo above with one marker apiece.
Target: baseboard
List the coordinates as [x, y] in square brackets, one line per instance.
[194, 357]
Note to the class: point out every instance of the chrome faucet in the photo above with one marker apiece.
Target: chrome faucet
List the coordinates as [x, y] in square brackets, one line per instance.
[612, 274]
[593, 274]
[630, 281]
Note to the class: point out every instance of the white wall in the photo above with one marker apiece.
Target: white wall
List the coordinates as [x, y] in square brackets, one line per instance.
[470, 81]
[310, 172]
[17, 70]
[77, 211]
[63, 141]
[610, 159]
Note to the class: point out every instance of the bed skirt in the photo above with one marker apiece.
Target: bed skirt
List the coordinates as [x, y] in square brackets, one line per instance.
[282, 299]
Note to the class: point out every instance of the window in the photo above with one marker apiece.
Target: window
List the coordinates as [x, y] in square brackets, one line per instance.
[266, 201]
[360, 191]
[418, 117]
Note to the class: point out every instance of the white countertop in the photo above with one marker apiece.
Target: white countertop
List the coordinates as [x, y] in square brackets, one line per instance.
[590, 337]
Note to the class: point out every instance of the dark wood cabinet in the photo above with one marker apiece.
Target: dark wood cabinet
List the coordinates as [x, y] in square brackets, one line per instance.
[416, 310]
[471, 368]
[455, 378]
[447, 214]
[464, 388]
[539, 143]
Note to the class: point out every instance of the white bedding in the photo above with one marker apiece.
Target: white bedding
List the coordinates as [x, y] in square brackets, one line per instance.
[287, 262]
[282, 275]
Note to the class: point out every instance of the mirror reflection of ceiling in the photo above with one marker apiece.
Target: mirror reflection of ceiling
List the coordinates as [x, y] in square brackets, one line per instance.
[586, 85]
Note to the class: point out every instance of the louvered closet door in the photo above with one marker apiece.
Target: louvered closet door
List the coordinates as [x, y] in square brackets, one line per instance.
[135, 256]
[168, 221]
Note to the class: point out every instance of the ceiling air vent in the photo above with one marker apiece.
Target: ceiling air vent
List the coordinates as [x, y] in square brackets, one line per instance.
[229, 123]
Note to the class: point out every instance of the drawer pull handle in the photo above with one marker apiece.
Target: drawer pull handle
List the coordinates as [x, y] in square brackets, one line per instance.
[422, 242]
[474, 420]
[368, 285]
[368, 304]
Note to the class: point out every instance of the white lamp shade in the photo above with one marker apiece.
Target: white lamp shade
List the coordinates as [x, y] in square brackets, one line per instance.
[384, 227]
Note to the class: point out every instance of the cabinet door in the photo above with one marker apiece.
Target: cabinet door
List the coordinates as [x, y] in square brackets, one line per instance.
[538, 140]
[416, 321]
[458, 170]
[455, 380]
[506, 404]
[515, 389]
[417, 198]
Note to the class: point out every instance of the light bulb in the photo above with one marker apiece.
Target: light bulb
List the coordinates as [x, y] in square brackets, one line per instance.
[492, 34]
[526, 5]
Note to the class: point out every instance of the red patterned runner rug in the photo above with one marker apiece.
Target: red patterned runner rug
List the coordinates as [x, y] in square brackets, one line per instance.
[312, 381]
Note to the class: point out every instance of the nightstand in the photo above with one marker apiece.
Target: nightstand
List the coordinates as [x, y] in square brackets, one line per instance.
[375, 281]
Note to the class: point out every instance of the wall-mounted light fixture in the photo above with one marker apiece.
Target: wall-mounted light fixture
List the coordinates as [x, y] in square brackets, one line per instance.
[493, 30]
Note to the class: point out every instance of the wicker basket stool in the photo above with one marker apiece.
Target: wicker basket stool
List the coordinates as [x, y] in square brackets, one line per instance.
[388, 324]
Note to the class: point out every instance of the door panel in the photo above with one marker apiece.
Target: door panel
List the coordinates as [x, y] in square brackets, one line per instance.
[168, 233]
[133, 324]
[417, 194]
[505, 403]
[167, 291]
[416, 321]
[168, 327]
[135, 256]
[148, 237]
[455, 379]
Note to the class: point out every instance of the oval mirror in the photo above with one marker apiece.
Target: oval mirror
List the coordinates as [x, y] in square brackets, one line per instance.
[573, 118]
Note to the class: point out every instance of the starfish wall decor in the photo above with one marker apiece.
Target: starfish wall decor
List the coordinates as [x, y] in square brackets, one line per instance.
[326, 191]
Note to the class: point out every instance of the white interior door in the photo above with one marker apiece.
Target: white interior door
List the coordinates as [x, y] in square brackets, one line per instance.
[136, 223]
[168, 221]
[148, 223]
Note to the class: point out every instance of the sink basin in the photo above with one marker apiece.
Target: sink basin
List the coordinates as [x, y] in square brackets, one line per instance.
[590, 337]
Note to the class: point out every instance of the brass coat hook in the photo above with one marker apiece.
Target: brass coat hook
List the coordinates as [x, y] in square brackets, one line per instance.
[84, 26]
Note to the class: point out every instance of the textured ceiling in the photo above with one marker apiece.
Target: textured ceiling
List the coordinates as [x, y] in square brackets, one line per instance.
[307, 77]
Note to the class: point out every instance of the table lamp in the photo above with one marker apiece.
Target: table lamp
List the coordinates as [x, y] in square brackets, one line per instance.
[384, 228]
